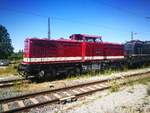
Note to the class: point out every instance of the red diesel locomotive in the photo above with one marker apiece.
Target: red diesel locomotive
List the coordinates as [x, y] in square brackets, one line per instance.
[44, 57]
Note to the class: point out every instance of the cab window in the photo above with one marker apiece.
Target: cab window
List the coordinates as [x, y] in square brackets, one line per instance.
[79, 39]
[92, 39]
[98, 40]
[89, 39]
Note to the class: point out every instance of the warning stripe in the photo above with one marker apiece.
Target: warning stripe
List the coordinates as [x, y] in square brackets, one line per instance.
[48, 59]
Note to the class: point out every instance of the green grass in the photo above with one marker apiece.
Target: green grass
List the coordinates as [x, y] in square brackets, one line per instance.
[9, 70]
[106, 72]
[21, 86]
[143, 81]
[75, 77]
[125, 68]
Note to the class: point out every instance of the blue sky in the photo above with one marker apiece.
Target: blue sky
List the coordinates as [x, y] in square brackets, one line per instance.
[114, 20]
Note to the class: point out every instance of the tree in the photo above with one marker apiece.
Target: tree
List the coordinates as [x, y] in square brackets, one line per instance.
[6, 48]
[16, 55]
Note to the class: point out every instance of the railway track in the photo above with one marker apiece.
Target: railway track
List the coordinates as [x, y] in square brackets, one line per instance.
[64, 94]
[12, 82]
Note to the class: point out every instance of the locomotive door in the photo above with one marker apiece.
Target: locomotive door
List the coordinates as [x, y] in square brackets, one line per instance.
[89, 51]
[98, 53]
[94, 49]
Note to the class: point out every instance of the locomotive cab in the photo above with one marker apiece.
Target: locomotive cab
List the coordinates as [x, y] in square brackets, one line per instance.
[85, 38]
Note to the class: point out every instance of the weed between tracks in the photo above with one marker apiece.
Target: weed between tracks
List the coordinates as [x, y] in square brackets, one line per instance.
[21, 86]
[143, 81]
[30, 87]
[148, 91]
[114, 86]
[106, 72]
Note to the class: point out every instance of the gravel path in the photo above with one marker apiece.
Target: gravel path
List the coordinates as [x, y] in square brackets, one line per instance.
[133, 99]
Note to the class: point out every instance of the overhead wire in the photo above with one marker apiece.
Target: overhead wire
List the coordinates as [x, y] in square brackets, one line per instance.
[76, 21]
[120, 9]
[62, 19]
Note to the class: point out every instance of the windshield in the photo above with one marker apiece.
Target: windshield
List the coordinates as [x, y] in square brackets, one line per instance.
[91, 39]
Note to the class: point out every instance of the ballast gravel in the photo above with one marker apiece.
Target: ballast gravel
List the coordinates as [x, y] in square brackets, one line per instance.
[116, 105]
[133, 99]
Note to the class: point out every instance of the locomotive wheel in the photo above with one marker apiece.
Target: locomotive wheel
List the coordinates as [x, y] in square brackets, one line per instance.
[70, 73]
[41, 74]
[78, 71]
[53, 73]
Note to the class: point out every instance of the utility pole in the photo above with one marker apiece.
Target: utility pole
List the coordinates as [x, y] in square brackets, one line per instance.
[131, 35]
[49, 31]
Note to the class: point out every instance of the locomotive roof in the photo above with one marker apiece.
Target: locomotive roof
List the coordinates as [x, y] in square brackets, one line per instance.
[67, 40]
[46, 39]
[62, 39]
[86, 35]
[135, 42]
[92, 36]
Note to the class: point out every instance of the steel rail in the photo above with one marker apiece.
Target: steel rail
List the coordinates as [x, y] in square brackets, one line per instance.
[9, 84]
[6, 100]
[65, 88]
[12, 82]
